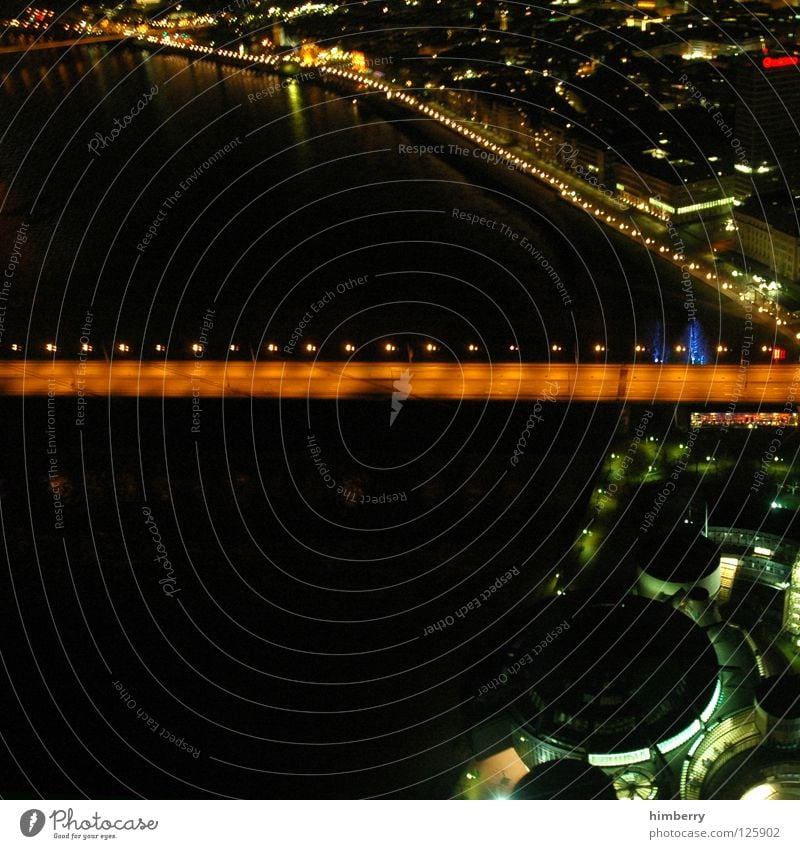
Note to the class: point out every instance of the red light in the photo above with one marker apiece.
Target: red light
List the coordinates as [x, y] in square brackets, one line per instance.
[780, 62]
[779, 353]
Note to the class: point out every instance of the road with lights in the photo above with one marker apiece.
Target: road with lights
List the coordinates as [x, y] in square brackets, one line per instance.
[428, 381]
[651, 231]
[58, 45]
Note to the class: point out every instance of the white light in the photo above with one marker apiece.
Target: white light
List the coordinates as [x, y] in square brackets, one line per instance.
[761, 792]
[621, 759]
[711, 706]
[681, 737]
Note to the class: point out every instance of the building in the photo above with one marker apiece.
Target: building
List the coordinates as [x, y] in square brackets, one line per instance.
[791, 610]
[769, 232]
[575, 150]
[752, 754]
[768, 121]
[675, 186]
[626, 683]
[565, 778]
[499, 115]
[752, 557]
[683, 569]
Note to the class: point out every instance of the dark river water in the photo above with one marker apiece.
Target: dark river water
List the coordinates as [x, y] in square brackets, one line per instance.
[155, 188]
[193, 607]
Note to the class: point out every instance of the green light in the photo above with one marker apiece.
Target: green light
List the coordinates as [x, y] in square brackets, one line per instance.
[662, 205]
[621, 759]
[698, 206]
[712, 705]
[680, 738]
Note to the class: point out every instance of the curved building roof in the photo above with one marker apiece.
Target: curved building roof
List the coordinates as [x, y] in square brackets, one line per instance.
[565, 778]
[684, 556]
[780, 696]
[622, 677]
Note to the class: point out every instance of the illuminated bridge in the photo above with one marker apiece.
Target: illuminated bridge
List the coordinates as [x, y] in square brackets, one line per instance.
[59, 43]
[769, 384]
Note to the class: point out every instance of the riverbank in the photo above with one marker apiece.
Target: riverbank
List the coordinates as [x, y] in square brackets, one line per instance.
[660, 239]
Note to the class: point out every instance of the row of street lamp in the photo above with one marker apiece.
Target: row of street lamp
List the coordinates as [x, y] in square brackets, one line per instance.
[387, 347]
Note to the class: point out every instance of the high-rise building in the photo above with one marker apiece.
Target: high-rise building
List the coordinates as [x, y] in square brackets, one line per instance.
[791, 611]
[768, 121]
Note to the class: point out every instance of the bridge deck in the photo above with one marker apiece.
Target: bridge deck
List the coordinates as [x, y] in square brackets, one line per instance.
[470, 381]
[58, 44]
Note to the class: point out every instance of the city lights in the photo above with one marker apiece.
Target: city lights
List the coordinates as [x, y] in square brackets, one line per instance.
[533, 567]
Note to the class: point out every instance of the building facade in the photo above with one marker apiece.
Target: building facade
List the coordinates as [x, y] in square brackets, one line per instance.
[769, 233]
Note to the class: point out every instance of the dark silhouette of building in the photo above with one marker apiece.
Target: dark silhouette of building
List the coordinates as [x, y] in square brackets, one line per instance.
[768, 120]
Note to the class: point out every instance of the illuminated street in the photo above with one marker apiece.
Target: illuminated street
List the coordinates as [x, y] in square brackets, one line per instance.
[60, 45]
[432, 381]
